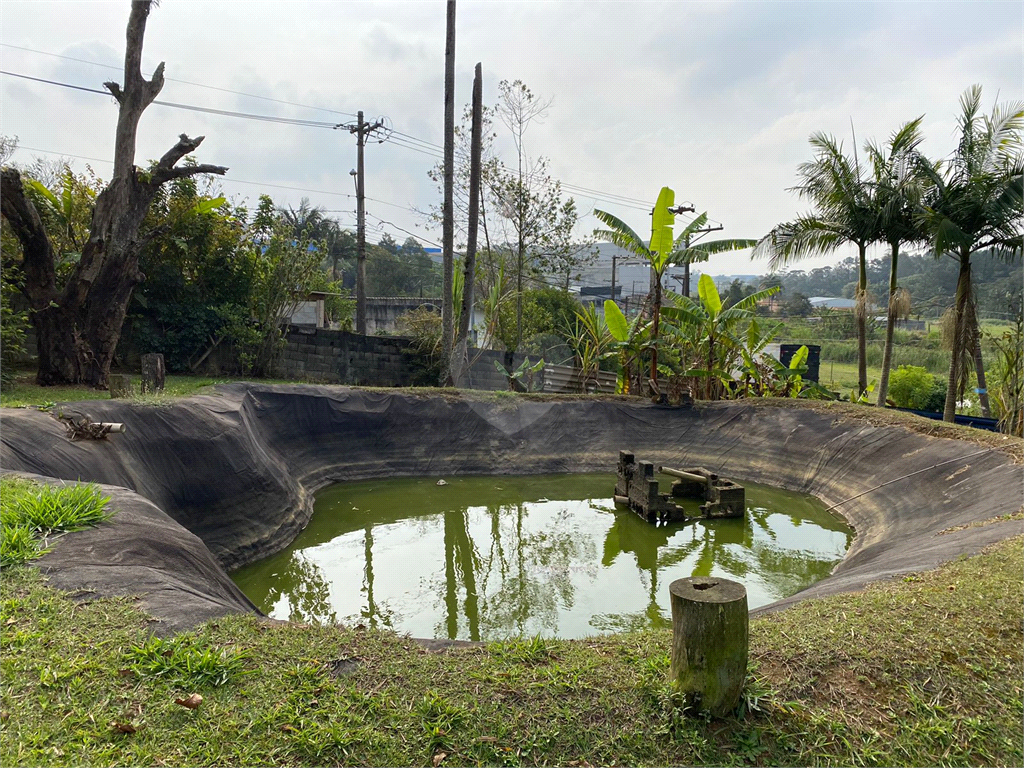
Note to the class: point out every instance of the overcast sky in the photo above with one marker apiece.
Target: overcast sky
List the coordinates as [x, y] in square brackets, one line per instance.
[715, 99]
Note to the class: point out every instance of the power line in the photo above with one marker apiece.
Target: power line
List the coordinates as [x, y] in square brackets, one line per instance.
[406, 231]
[406, 140]
[189, 107]
[184, 82]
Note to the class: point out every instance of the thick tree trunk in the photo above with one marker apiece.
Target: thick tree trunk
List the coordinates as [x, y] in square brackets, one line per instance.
[890, 328]
[861, 312]
[79, 326]
[959, 354]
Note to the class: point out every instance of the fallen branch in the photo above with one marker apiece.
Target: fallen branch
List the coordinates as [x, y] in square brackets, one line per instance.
[87, 429]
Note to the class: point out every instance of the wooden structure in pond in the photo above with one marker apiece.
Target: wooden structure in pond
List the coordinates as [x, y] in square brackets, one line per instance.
[637, 488]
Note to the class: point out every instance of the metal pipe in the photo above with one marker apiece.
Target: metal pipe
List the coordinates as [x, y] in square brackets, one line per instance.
[684, 475]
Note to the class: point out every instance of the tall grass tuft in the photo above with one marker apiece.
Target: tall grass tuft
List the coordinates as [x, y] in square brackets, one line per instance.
[30, 511]
[184, 661]
[18, 545]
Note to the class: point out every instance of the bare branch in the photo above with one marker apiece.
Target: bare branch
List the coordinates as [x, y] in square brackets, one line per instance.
[166, 171]
[115, 90]
[184, 147]
[156, 83]
[162, 176]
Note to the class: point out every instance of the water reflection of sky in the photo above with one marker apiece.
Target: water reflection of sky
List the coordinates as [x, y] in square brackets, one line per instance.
[533, 555]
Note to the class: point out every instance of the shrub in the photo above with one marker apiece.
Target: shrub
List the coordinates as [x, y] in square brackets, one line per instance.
[911, 386]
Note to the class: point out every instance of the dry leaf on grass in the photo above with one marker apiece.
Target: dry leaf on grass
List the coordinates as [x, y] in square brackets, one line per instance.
[123, 727]
[191, 702]
[436, 759]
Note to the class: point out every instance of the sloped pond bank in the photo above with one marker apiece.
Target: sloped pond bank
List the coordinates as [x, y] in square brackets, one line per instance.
[215, 482]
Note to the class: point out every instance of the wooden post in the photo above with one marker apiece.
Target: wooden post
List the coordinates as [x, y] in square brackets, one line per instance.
[153, 373]
[120, 386]
[709, 642]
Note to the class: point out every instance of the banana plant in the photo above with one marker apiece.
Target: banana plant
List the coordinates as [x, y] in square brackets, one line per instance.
[631, 339]
[69, 210]
[658, 253]
[758, 368]
[711, 330]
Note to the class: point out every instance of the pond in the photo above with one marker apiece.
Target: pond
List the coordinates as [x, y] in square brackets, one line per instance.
[484, 558]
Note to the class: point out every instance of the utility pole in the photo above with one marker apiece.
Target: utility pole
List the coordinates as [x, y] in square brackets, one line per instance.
[448, 212]
[686, 262]
[361, 129]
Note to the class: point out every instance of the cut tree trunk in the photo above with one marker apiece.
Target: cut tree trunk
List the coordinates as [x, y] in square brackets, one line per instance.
[709, 642]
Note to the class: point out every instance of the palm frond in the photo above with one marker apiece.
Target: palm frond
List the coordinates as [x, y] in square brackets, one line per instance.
[791, 241]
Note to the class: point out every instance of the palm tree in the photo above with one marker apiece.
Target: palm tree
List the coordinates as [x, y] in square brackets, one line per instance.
[307, 222]
[845, 212]
[898, 183]
[974, 204]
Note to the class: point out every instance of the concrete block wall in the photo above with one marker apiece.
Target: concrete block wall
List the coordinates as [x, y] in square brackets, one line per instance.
[339, 357]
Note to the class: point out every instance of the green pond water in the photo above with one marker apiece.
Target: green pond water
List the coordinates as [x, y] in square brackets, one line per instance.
[485, 558]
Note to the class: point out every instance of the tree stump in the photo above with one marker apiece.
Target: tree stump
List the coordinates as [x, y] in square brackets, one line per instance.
[709, 642]
[153, 373]
[120, 386]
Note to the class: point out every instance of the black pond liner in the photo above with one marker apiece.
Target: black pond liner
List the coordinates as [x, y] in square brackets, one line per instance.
[213, 482]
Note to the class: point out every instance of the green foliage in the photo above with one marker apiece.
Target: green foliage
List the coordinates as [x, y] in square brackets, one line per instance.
[18, 544]
[911, 386]
[197, 276]
[709, 334]
[187, 662]
[12, 332]
[423, 326]
[282, 270]
[64, 201]
[1007, 376]
[406, 270]
[798, 305]
[630, 339]
[662, 242]
[590, 341]
[536, 319]
[521, 379]
[30, 511]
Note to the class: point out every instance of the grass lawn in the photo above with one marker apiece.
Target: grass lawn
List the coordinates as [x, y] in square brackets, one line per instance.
[26, 393]
[925, 670]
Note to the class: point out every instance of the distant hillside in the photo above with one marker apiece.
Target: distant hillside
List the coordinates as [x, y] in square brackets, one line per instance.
[930, 281]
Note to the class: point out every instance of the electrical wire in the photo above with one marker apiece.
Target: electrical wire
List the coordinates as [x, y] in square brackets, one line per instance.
[405, 140]
[183, 82]
[189, 107]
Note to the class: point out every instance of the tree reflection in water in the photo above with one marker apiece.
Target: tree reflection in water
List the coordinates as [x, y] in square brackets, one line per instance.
[538, 555]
